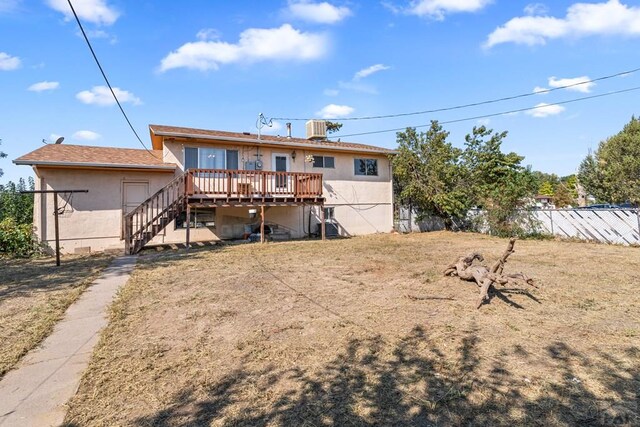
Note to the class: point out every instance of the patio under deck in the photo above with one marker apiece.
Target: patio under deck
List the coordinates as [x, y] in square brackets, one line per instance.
[219, 188]
[207, 188]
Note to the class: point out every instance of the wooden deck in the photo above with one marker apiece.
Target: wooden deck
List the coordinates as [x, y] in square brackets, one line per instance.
[242, 186]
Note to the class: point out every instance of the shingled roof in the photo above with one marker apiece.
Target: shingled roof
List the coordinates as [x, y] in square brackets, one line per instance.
[88, 156]
[246, 137]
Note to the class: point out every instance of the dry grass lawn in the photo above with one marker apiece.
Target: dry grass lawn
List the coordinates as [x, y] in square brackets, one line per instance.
[367, 331]
[34, 294]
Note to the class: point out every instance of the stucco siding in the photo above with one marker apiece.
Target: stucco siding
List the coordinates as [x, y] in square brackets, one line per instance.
[93, 221]
[88, 221]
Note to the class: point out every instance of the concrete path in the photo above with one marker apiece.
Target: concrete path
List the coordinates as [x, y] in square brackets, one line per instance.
[35, 393]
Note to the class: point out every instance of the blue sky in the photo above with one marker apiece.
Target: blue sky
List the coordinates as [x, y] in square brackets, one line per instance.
[218, 64]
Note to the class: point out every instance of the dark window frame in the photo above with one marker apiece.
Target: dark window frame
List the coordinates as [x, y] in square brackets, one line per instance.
[324, 162]
[369, 168]
[198, 219]
[329, 213]
[227, 157]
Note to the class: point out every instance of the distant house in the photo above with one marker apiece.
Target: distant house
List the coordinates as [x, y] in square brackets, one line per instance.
[207, 185]
[544, 202]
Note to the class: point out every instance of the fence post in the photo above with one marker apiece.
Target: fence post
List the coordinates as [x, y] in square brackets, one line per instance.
[638, 216]
[551, 219]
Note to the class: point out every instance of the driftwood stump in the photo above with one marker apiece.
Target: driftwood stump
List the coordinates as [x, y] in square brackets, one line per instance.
[484, 276]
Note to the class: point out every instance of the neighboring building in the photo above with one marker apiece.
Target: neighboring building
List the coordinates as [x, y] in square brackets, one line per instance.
[231, 177]
[544, 202]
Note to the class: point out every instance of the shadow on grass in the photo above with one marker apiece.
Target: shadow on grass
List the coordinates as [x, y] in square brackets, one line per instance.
[415, 385]
[23, 277]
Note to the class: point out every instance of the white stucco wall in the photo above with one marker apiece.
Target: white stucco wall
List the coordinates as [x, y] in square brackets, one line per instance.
[363, 204]
[93, 221]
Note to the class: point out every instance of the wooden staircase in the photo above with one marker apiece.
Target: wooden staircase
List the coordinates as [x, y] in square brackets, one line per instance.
[154, 214]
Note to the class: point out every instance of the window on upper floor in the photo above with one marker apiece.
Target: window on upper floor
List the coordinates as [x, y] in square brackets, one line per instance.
[367, 167]
[324, 162]
[210, 158]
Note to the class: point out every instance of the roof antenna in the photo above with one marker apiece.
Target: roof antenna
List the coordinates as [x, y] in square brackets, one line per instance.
[262, 122]
[58, 141]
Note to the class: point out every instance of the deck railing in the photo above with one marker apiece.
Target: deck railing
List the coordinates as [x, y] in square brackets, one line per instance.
[253, 184]
[144, 222]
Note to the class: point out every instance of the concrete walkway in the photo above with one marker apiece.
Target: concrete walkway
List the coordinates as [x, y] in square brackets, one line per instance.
[35, 393]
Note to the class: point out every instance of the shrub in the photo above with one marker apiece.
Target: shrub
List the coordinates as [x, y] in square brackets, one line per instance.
[17, 239]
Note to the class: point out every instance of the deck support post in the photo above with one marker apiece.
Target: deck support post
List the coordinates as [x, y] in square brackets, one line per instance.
[188, 219]
[322, 222]
[261, 223]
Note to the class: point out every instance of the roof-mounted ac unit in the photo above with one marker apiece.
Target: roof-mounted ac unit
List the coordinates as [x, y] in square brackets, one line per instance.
[316, 129]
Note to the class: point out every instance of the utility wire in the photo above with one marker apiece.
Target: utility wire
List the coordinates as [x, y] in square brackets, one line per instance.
[106, 79]
[484, 116]
[475, 104]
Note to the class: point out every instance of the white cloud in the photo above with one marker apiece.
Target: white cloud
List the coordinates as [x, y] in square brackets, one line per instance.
[536, 9]
[331, 92]
[333, 111]
[370, 70]
[99, 34]
[582, 19]
[86, 135]
[584, 87]
[545, 110]
[540, 90]
[8, 62]
[94, 11]
[255, 44]
[437, 9]
[273, 129]
[42, 86]
[101, 95]
[208, 34]
[321, 13]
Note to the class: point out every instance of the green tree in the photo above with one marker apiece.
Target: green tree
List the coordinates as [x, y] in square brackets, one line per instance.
[562, 196]
[2, 156]
[428, 174]
[571, 183]
[15, 205]
[333, 127]
[546, 189]
[16, 218]
[498, 182]
[612, 173]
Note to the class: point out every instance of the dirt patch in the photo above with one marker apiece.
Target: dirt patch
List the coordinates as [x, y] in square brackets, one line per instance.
[367, 331]
[34, 294]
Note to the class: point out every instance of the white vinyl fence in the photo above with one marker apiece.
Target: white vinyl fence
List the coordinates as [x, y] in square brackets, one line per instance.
[620, 226]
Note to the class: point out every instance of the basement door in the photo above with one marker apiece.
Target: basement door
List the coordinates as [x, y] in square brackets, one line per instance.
[133, 194]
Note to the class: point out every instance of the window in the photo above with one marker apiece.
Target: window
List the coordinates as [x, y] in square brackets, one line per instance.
[329, 213]
[200, 218]
[210, 158]
[324, 162]
[365, 167]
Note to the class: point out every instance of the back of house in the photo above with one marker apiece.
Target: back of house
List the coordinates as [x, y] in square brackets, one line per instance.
[206, 185]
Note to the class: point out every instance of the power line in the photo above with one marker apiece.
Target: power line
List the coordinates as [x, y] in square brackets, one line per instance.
[475, 104]
[485, 116]
[105, 78]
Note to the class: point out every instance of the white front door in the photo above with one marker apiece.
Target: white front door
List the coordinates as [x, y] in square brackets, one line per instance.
[133, 194]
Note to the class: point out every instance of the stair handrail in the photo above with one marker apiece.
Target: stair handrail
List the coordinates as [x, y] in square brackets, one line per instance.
[178, 183]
